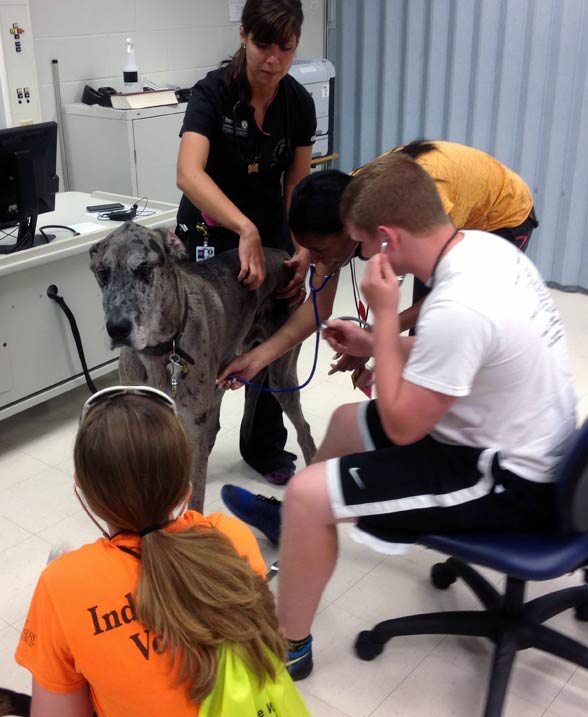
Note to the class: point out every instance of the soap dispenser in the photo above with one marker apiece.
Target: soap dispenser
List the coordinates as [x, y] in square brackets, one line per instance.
[130, 70]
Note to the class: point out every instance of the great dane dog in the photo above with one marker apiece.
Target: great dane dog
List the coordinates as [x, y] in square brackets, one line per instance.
[156, 305]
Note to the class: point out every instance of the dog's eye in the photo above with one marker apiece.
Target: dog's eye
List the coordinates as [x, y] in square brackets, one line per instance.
[102, 275]
[144, 270]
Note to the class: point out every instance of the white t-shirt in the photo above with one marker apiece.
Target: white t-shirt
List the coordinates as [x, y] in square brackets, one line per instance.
[490, 334]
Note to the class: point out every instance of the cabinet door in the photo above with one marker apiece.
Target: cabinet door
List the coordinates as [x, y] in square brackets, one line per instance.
[157, 142]
[38, 352]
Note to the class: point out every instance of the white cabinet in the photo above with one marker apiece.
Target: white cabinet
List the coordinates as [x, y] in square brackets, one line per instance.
[135, 152]
[132, 152]
[38, 355]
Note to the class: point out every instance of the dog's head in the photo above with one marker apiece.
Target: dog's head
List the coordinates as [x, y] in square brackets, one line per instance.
[142, 290]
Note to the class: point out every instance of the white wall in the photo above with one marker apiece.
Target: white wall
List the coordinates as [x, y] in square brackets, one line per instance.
[176, 41]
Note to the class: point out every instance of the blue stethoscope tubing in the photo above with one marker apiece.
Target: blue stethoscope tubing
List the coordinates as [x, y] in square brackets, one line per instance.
[313, 291]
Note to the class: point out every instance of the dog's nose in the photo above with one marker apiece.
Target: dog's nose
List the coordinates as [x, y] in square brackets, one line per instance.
[118, 328]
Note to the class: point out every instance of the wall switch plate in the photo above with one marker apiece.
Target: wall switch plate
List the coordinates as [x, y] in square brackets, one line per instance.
[18, 72]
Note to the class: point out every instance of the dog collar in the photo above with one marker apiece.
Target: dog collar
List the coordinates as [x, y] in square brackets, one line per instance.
[173, 344]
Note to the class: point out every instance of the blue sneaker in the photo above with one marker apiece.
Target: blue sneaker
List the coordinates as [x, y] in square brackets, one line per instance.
[262, 513]
[300, 663]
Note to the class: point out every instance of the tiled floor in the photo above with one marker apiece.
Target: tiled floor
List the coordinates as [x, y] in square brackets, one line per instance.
[415, 677]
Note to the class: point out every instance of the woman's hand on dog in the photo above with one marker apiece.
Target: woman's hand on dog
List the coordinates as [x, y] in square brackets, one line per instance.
[253, 269]
[245, 366]
[295, 289]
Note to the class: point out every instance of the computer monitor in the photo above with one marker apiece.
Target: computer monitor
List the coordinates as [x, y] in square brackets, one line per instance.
[28, 180]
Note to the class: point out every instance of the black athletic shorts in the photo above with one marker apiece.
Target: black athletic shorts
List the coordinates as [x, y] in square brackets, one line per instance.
[428, 486]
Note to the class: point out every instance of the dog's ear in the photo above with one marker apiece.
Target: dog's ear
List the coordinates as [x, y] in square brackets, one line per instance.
[174, 246]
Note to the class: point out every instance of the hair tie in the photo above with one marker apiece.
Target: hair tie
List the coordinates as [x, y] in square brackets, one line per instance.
[150, 529]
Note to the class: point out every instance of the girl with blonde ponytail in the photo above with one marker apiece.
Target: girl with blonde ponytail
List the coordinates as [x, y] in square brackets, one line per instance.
[131, 625]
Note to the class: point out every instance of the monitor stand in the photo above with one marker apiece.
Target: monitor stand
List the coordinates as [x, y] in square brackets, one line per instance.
[39, 240]
[25, 228]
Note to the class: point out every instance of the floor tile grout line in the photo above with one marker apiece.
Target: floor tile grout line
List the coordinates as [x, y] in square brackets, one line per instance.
[16, 525]
[562, 689]
[325, 702]
[352, 585]
[408, 674]
[36, 474]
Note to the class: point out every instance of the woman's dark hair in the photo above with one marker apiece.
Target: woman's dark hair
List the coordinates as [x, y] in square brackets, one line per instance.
[416, 148]
[267, 21]
[314, 208]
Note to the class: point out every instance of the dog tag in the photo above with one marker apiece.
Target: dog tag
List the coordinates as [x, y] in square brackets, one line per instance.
[174, 368]
[204, 252]
[185, 367]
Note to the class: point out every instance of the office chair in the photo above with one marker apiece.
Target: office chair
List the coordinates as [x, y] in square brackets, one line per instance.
[510, 622]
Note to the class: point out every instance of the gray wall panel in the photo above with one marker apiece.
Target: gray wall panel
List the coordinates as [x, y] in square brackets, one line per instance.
[393, 72]
[507, 76]
[434, 120]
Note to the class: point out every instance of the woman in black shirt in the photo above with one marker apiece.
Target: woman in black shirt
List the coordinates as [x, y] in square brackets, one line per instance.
[246, 142]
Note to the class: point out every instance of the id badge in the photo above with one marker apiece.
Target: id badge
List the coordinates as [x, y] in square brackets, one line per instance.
[204, 252]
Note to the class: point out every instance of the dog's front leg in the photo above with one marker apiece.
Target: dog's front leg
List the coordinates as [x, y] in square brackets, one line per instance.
[198, 478]
[283, 374]
[198, 437]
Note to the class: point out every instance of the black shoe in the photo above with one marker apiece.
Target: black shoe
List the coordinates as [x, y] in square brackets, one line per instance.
[276, 466]
[280, 476]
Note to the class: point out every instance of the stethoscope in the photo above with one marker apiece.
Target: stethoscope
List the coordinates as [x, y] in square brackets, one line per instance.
[314, 290]
[240, 133]
[325, 279]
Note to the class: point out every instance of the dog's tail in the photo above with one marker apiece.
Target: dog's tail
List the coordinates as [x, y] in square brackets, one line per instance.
[14, 703]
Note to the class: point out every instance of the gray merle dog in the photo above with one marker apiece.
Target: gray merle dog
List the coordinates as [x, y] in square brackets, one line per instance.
[189, 321]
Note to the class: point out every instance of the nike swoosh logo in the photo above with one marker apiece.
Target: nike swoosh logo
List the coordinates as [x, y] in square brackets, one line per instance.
[354, 473]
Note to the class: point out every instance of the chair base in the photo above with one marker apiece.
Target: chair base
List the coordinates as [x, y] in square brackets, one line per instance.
[508, 621]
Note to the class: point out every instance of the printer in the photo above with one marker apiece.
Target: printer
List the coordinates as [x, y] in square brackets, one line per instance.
[318, 78]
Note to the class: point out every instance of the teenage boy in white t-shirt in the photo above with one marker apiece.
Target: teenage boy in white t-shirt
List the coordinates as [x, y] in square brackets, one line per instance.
[472, 414]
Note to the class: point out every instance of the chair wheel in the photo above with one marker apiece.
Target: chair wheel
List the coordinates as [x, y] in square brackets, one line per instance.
[581, 612]
[442, 576]
[365, 646]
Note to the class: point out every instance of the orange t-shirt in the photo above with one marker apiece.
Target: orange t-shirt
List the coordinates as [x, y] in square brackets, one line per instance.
[82, 626]
[477, 191]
